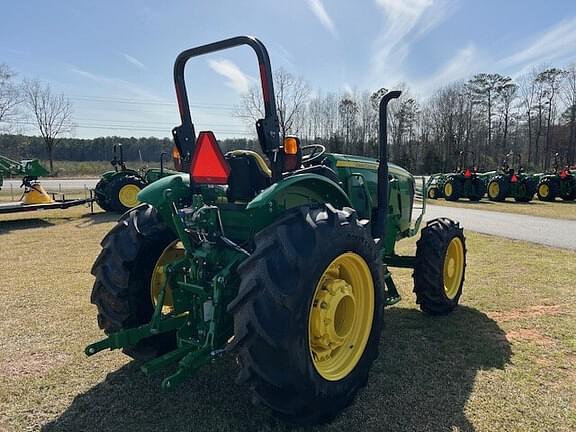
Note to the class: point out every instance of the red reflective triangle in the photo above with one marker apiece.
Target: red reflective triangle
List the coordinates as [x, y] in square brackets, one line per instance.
[208, 165]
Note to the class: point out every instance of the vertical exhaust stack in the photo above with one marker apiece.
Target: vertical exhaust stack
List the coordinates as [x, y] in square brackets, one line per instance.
[379, 230]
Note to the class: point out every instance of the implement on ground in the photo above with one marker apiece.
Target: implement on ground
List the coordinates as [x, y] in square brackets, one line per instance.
[283, 262]
[34, 197]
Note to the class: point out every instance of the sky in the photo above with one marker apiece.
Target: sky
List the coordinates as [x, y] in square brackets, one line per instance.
[114, 59]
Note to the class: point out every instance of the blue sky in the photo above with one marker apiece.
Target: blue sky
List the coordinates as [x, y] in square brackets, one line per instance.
[114, 58]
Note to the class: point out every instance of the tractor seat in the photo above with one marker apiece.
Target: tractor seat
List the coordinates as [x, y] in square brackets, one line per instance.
[249, 175]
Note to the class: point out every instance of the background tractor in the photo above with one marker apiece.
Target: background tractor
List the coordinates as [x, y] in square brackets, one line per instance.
[281, 260]
[465, 182]
[117, 190]
[511, 181]
[560, 182]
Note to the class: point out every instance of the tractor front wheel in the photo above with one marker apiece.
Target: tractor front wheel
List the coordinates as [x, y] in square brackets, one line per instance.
[433, 192]
[440, 266]
[309, 313]
[125, 274]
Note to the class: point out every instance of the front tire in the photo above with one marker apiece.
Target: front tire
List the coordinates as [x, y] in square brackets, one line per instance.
[440, 266]
[123, 272]
[304, 341]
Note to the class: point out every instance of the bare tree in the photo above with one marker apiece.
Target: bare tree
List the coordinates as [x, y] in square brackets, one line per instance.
[52, 113]
[551, 80]
[9, 97]
[507, 93]
[348, 109]
[569, 98]
[292, 94]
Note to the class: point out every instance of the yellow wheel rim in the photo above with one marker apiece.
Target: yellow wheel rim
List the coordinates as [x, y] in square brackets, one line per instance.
[494, 189]
[544, 190]
[453, 267]
[172, 253]
[128, 195]
[432, 193]
[341, 314]
[448, 189]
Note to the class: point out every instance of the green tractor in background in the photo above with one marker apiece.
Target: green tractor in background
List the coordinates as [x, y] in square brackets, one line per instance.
[465, 182]
[117, 191]
[560, 182]
[511, 181]
[282, 262]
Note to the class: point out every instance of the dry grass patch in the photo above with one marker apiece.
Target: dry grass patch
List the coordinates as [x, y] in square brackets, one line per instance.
[503, 361]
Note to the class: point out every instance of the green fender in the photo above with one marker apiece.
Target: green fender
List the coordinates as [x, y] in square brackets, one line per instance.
[155, 193]
[298, 190]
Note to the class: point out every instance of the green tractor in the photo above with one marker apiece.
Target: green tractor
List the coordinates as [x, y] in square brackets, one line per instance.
[284, 264]
[465, 182]
[117, 190]
[557, 183]
[511, 181]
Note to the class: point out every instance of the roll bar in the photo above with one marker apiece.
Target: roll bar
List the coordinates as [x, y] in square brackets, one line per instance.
[268, 128]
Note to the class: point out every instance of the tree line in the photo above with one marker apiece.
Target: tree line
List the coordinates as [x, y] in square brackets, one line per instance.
[489, 115]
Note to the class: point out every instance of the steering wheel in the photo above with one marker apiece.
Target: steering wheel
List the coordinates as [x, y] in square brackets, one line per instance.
[313, 153]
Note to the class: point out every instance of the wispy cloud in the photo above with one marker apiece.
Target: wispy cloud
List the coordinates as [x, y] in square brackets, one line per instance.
[134, 61]
[318, 9]
[118, 85]
[463, 64]
[558, 42]
[237, 79]
[405, 21]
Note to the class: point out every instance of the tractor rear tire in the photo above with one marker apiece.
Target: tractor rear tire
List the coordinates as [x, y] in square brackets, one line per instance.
[547, 190]
[478, 190]
[571, 195]
[277, 303]
[498, 189]
[117, 185]
[101, 196]
[452, 190]
[440, 266]
[123, 272]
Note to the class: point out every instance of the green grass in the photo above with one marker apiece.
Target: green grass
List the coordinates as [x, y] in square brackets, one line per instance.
[504, 361]
[557, 210]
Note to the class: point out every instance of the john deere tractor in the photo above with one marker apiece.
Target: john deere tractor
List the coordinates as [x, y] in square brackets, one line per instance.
[117, 190]
[560, 182]
[511, 181]
[465, 182]
[282, 261]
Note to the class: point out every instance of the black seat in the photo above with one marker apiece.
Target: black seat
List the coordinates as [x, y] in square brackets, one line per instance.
[249, 175]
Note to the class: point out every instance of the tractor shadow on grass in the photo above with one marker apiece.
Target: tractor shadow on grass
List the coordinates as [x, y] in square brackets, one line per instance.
[421, 381]
[91, 219]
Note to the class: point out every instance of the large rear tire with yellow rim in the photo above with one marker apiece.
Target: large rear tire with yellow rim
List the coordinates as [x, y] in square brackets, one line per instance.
[126, 273]
[440, 266]
[309, 313]
[123, 192]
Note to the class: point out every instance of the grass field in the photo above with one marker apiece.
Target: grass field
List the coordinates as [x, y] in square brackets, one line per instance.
[504, 361]
[557, 210]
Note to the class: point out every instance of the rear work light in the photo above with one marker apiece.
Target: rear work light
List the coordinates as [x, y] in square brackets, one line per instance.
[208, 165]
